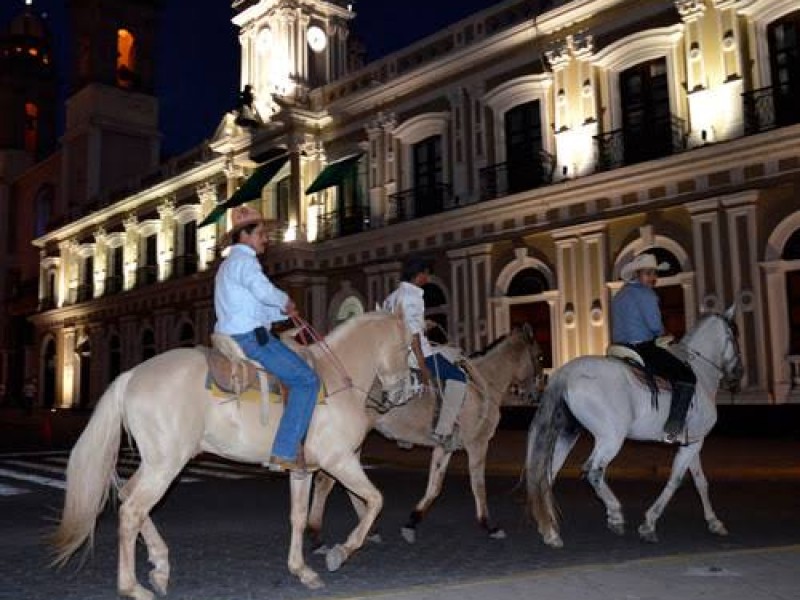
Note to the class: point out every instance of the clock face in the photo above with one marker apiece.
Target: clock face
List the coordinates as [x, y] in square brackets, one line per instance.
[264, 40]
[316, 38]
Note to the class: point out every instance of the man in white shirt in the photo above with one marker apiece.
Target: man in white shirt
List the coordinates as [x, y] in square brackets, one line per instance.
[247, 303]
[410, 296]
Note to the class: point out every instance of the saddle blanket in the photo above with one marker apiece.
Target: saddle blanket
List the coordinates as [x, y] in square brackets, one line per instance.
[253, 394]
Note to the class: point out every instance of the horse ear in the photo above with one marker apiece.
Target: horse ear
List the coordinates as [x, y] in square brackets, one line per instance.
[729, 314]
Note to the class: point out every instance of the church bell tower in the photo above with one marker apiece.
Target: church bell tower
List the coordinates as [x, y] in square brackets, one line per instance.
[290, 47]
[111, 132]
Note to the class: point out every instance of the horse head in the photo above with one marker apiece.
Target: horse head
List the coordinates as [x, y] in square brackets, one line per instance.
[392, 367]
[530, 369]
[733, 369]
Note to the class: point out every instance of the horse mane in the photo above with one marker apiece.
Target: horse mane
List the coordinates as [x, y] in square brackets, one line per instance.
[689, 335]
[489, 348]
[344, 329]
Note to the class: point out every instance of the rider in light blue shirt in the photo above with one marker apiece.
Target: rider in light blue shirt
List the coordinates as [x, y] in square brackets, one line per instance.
[636, 315]
[636, 322]
[247, 303]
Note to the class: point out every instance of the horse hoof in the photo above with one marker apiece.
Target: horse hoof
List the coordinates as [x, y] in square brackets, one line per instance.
[322, 549]
[375, 538]
[409, 534]
[160, 581]
[648, 534]
[335, 558]
[716, 527]
[311, 580]
[553, 540]
[138, 593]
[617, 528]
[497, 534]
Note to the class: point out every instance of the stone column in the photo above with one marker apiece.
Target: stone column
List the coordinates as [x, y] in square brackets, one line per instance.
[567, 267]
[130, 252]
[166, 239]
[207, 236]
[707, 254]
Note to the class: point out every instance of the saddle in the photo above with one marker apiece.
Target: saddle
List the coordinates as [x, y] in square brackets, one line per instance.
[640, 370]
[229, 369]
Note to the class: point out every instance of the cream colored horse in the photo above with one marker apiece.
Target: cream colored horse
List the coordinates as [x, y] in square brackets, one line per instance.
[165, 407]
[515, 357]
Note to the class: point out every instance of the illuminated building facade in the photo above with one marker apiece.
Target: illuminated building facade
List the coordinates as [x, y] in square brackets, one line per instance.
[531, 153]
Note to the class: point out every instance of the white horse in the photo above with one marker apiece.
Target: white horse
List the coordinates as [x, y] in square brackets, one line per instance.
[604, 396]
[165, 406]
[515, 357]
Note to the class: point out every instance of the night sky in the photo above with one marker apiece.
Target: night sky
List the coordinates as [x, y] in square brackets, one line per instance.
[198, 82]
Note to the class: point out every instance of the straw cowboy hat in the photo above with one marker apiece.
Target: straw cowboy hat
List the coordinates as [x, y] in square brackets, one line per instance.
[241, 217]
[640, 263]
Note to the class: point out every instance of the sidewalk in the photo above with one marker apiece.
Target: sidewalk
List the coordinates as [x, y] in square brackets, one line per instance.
[724, 457]
[764, 574]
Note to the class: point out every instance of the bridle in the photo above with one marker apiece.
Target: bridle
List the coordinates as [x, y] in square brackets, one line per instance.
[731, 339]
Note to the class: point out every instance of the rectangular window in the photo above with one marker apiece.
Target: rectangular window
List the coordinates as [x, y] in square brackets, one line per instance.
[646, 119]
[283, 192]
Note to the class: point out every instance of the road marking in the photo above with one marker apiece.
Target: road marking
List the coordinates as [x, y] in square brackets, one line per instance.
[10, 490]
[56, 483]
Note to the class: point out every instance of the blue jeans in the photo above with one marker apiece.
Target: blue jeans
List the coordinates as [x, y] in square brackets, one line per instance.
[442, 368]
[303, 384]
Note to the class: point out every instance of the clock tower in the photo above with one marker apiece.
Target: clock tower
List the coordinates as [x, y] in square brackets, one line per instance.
[111, 134]
[291, 46]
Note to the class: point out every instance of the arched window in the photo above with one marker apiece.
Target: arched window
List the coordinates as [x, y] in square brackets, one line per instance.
[49, 373]
[44, 210]
[528, 282]
[148, 344]
[84, 351]
[126, 59]
[31, 127]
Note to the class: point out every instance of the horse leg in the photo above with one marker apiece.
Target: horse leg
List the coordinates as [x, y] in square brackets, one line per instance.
[604, 452]
[564, 445]
[701, 484]
[157, 551]
[152, 483]
[350, 474]
[476, 453]
[323, 486]
[682, 460]
[300, 485]
[439, 461]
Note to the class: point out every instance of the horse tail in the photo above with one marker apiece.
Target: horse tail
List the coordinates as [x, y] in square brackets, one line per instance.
[90, 474]
[552, 419]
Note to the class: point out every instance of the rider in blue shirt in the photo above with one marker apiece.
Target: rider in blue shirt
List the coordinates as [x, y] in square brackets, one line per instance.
[247, 303]
[636, 322]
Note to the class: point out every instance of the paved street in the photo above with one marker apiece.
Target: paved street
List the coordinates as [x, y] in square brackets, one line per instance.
[227, 527]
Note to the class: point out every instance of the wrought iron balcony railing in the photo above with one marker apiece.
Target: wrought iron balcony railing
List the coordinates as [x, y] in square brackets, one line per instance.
[655, 138]
[420, 202]
[768, 108]
[511, 177]
[341, 223]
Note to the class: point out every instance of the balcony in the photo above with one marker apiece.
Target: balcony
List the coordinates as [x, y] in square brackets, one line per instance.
[657, 138]
[146, 275]
[508, 178]
[341, 223]
[184, 265]
[768, 108]
[47, 303]
[420, 202]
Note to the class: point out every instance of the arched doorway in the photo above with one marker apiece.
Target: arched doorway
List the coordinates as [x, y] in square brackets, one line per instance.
[670, 293]
[791, 252]
[186, 336]
[148, 344]
[114, 358]
[530, 283]
[49, 374]
[84, 352]
[436, 311]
